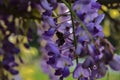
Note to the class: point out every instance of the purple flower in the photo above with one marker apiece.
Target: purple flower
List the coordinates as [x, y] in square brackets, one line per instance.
[115, 62]
[98, 71]
[64, 27]
[83, 37]
[13, 71]
[47, 69]
[9, 64]
[96, 5]
[63, 61]
[99, 19]
[84, 1]
[60, 47]
[95, 28]
[63, 72]
[89, 62]
[87, 10]
[52, 60]
[50, 20]
[79, 70]
[93, 50]
[52, 47]
[79, 49]
[59, 61]
[52, 4]
[84, 78]
[49, 34]
[46, 5]
[66, 72]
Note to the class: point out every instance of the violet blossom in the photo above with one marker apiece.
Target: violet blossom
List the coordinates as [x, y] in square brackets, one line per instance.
[90, 43]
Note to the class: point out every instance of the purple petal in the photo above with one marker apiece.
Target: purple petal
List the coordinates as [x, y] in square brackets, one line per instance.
[60, 63]
[53, 3]
[96, 5]
[66, 72]
[80, 71]
[77, 72]
[91, 49]
[45, 67]
[45, 5]
[63, 26]
[98, 71]
[67, 60]
[51, 47]
[13, 64]
[16, 50]
[51, 60]
[115, 63]
[78, 30]
[88, 62]
[83, 37]
[84, 78]
[81, 15]
[49, 20]
[99, 34]
[84, 1]
[78, 49]
[99, 18]
[47, 13]
[102, 69]
[13, 71]
[48, 34]
[86, 73]
[90, 27]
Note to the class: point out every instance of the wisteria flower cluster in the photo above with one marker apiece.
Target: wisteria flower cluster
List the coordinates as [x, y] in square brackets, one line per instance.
[69, 30]
[78, 35]
[9, 51]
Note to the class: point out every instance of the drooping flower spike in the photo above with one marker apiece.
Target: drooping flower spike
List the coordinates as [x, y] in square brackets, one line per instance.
[60, 48]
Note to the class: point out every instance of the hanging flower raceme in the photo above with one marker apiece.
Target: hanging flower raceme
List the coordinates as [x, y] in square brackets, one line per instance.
[8, 50]
[81, 36]
[9, 27]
